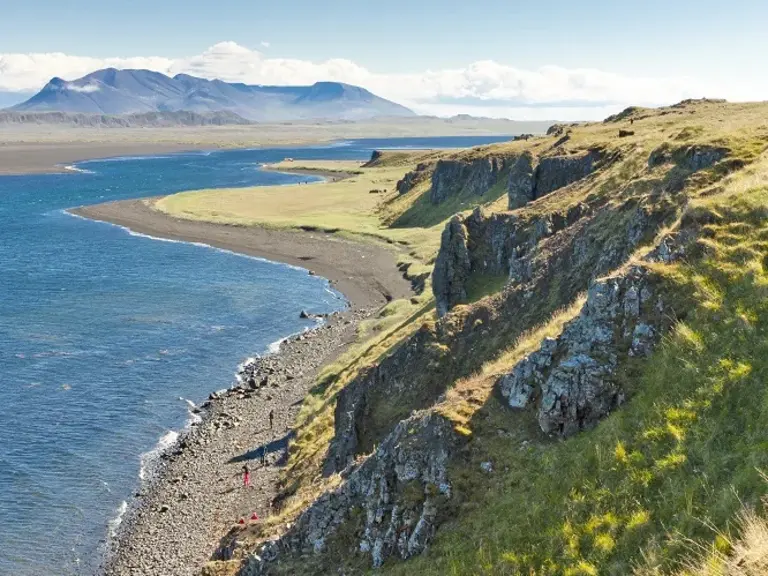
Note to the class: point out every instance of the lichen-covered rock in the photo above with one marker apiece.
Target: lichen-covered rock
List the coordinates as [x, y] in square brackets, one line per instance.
[452, 266]
[573, 377]
[483, 175]
[392, 499]
[447, 179]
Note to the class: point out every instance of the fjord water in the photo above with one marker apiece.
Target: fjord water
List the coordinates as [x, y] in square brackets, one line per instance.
[105, 336]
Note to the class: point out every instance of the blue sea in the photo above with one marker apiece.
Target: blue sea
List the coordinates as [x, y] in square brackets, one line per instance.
[106, 337]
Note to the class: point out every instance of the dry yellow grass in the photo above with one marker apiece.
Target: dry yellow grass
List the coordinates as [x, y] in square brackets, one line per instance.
[344, 206]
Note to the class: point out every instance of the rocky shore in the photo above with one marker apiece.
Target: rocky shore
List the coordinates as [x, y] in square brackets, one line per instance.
[196, 492]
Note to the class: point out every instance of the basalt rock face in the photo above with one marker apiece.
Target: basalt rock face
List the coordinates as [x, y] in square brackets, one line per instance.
[529, 180]
[521, 187]
[389, 503]
[572, 379]
[391, 381]
[558, 171]
[452, 266]
[496, 245]
[413, 178]
[451, 177]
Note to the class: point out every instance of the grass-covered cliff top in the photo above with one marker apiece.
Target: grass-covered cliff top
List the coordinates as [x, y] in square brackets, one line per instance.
[657, 486]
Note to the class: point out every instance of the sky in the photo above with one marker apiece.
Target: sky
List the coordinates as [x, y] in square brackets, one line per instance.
[546, 59]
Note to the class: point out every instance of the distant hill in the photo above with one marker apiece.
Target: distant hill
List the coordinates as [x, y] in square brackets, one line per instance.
[143, 120]
[112, 91]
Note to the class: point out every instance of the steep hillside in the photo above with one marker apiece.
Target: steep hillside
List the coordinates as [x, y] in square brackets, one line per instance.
[112, 91]
[585, 392]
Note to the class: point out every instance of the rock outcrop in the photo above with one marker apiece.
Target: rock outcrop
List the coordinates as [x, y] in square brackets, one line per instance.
[521, 185]
[496, 245]
[452, 177]
[529, 180]
[691, 158]
[389, 503]
[452, 266]
[413, 178]
[573, 379]
[393, 382]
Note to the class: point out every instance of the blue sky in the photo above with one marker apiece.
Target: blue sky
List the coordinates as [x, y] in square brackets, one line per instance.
[708, 44]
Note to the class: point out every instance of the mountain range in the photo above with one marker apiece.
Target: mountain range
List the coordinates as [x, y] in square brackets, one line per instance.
[112, 91]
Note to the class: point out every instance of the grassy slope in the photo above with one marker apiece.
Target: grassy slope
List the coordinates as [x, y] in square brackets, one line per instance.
[675, 463]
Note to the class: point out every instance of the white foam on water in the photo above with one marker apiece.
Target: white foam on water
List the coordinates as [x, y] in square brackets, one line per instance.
[149, 459]
[73, 168]
[274, 348]
[114, 524]
[193, 418]
[199, 244]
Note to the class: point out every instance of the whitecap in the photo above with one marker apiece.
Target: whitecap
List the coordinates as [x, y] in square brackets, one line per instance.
[193, 418]
[149, 459]
[274, 348]
[73, 168]
[114, 524]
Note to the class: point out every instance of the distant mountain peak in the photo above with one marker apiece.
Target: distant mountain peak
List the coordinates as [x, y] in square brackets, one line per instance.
[131, 91]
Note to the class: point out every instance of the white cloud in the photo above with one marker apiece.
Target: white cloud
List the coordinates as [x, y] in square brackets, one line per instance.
[265, 44]
[484, 88]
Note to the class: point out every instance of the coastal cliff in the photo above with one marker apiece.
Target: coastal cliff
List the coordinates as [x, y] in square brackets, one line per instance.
[582, 380]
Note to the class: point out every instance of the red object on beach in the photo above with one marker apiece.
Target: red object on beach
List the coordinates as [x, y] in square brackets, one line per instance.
[242, 521]
[254, 516]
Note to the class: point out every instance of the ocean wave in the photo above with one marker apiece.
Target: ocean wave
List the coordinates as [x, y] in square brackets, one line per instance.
[274, 348]
[149, 460]
[193, 418]
[114, 524]
[74, 168]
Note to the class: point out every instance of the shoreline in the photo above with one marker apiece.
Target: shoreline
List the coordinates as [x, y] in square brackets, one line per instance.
[192, 495]
[326, 175]
[365, 273]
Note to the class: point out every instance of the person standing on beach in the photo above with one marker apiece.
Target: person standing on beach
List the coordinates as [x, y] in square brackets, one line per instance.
[246, 476]
[271, 418]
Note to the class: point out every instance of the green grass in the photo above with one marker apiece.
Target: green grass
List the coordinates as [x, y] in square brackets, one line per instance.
[422, 213]
[674, 464]
[678, 460]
